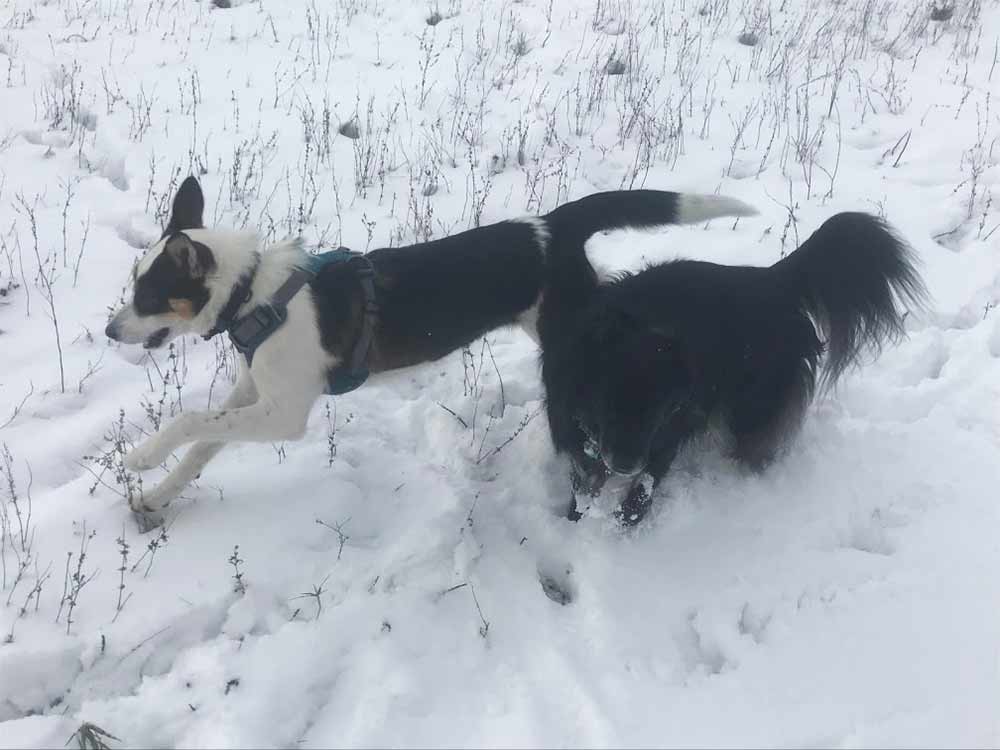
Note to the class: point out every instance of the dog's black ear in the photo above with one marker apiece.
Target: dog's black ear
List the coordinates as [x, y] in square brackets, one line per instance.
[193, 258]
[189, 208]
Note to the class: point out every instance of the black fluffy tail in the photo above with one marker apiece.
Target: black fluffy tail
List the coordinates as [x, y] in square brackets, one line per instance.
[849, 275]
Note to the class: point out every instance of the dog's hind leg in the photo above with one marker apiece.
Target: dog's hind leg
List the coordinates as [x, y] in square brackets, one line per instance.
[198, 455]
[767, 416]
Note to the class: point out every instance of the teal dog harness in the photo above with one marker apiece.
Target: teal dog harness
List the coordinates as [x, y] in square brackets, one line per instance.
[252, 329]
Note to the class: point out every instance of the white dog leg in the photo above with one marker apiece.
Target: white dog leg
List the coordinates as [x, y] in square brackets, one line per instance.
[267, 420]
[244, 393]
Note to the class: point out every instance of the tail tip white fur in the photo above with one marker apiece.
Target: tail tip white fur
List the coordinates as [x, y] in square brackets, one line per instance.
[695, 207]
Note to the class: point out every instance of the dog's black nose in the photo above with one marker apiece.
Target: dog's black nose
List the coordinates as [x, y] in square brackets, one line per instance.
[111, 331]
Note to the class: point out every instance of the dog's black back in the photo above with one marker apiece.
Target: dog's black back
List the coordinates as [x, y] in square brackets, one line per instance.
[489, 275]
[437, 296]
[643, 363]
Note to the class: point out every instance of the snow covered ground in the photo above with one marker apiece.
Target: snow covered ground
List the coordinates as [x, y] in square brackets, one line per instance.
[401, 576]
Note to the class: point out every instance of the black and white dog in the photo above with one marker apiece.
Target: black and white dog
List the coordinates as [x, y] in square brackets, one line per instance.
[310, 329]
[640, 365]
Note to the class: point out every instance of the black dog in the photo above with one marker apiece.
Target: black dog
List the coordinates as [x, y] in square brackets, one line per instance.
[636, 367]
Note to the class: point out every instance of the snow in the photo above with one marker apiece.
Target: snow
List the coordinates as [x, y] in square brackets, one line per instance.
[846, 597]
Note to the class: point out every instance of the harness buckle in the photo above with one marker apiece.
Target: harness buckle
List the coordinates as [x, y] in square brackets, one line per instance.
[250, 331]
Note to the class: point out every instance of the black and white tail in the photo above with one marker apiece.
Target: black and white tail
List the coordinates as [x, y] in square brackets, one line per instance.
[572, 224]
[849, 276]
[564, 232]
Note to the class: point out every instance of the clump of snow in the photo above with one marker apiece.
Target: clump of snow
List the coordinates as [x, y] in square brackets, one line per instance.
[404, 574]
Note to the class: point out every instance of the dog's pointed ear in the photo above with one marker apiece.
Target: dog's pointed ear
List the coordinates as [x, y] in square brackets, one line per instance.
[189, 208]
[193, 258]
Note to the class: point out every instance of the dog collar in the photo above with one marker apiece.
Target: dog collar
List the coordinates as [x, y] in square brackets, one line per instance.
[251, 330]
[240, 295]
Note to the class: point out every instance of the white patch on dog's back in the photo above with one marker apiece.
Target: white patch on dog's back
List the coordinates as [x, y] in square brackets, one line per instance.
[528, 320]
[542, 234]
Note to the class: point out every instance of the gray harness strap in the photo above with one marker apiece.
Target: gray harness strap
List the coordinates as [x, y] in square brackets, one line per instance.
[249, 331]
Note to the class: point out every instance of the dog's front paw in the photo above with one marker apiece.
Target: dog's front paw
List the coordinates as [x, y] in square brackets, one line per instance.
[145, 456]
[637, 502]
[156, 499]
[588, 476]
[147, 502]
[146, 509]
[147, 522]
